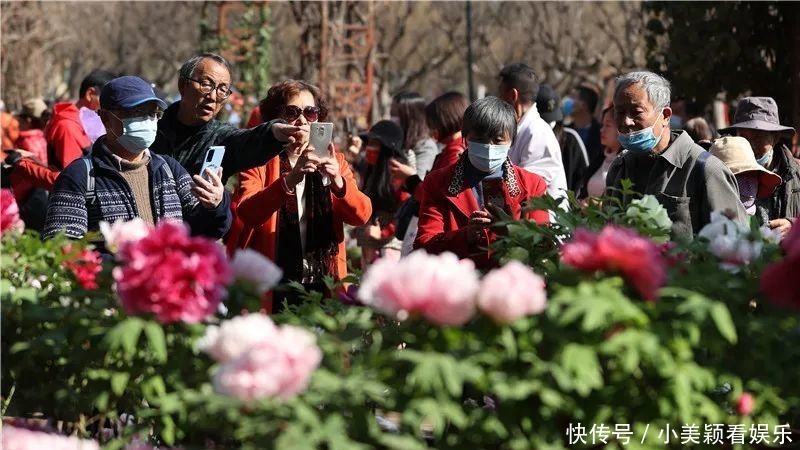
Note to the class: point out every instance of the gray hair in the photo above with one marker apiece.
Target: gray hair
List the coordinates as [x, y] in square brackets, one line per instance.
[188, 68]
[656, 86]
[490, 117]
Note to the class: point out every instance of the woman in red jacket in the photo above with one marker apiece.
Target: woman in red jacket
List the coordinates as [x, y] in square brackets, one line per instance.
[461, 202]
[285, 210]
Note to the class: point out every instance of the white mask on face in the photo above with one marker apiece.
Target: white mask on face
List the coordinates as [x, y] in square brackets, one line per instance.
[487, 157]
[138, 133]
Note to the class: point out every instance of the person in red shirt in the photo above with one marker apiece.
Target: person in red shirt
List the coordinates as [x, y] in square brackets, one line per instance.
[461, 203]
[65, 134]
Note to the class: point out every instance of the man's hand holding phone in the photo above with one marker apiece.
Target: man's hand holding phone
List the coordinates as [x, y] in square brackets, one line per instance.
[290, 133]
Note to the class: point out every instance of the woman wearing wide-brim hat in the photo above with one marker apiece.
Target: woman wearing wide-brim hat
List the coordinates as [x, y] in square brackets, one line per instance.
[755, 182]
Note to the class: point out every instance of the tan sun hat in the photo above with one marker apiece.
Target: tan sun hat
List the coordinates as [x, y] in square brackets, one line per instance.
[737, 154]
[33, 107]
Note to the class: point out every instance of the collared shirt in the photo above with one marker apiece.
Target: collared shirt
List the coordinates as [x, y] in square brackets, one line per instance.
[688, 188]
[536, 150]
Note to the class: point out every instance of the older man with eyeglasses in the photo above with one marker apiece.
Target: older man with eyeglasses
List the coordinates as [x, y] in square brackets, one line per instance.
[121, 179]
[189, 127]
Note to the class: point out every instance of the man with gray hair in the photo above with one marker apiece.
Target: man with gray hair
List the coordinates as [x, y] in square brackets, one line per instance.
[686, 180]
[188, 127]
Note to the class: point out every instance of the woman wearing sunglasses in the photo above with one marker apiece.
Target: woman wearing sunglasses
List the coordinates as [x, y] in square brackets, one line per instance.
[285, 210]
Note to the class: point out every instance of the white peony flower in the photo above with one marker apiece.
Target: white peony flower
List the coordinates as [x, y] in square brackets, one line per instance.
[233, 337]
[649, 210]
[121, 232]
[250, 265]
[733, 243]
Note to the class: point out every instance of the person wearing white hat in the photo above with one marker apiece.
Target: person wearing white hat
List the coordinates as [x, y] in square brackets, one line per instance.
[755, 182]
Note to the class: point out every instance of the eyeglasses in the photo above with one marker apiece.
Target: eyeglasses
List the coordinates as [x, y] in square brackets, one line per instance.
[290, 113]
[139, 112]
[206, 86]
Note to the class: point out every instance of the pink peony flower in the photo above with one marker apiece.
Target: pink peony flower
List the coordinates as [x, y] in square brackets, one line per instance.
[250, 265]
[617, 249]
[233, 337]
[439, 287]
[511, 292]
[279, 367]
[745, 404]
[137, 444]
[85, 264]
[779, 281]
[121, 232]
[172, 275]
[14, 438]
[9, 213]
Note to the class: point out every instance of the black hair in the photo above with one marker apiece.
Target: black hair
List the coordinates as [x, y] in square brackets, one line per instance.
[96, 79]
[378, 183]
[588, 96]
[410, 109]
[490, 116]
[188, 68]
[521, 77]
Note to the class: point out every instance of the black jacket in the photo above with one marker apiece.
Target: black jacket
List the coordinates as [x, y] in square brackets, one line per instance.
[244, 149]
[592, 142]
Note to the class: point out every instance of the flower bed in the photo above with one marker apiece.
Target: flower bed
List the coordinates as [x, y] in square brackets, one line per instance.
[597, 323]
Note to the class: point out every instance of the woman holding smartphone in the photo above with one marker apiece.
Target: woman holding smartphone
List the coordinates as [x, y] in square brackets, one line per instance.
[285, 210]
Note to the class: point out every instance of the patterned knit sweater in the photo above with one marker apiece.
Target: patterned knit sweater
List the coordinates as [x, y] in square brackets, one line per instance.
[69, 210]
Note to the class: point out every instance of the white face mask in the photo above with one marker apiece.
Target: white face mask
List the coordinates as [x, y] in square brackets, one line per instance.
[487, 157]
[138, 133]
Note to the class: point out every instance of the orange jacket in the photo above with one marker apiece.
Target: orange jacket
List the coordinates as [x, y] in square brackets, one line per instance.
[260, 195]
[10, 128]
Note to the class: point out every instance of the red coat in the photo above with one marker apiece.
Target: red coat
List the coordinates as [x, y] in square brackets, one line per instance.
[449, 154]
[65, 135]
[260, 196]
[447, 203]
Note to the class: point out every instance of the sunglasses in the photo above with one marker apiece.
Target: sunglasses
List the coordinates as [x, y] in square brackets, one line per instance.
[290, 113]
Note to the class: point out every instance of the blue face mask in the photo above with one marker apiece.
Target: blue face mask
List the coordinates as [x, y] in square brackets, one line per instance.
[567, 105]
[764, 160]
[138, 133]
[640, 141]
[487, 158]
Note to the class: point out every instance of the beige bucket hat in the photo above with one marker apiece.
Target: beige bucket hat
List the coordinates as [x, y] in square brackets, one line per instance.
[737, 154]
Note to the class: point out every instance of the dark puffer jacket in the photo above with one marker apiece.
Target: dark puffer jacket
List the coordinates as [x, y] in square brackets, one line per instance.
[244, 149]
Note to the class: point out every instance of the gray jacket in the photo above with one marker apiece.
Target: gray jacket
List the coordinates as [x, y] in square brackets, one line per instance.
[686, 180]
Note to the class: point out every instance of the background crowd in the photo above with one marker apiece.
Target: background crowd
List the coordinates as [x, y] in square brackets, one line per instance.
[439, 174]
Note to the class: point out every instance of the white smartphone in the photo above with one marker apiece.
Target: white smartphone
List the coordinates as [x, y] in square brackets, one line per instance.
[213, 159]
[320, 137]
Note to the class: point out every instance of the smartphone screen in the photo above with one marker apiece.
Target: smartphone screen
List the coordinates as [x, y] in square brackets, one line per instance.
[493, 195]
[213, 159]
[320, 137]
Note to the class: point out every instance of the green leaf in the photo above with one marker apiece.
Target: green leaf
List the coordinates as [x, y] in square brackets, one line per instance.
[157, 342]
[579, 369]
[168, 432]
[125, 335]
[724, 322]
[119, 381]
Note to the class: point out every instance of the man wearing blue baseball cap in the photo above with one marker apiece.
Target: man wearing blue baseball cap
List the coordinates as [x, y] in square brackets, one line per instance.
[121, 179]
